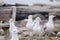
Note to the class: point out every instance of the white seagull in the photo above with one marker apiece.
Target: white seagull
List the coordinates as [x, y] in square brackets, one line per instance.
[13, 30]
[38, 29]
[30, 23]
[49, 26]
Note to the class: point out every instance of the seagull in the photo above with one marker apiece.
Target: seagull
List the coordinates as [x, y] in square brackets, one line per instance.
[13, 30]
[49, 26]
[30, 23]
[38, 29]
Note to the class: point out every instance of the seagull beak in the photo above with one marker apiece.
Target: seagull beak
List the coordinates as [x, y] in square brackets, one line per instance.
[54, 15]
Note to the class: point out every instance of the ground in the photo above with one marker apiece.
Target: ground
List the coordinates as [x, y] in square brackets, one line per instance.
[22, 24]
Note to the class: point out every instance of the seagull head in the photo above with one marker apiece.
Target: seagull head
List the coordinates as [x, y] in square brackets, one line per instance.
[30, 16]
[38, 19]
[11, 20]
[51, 16]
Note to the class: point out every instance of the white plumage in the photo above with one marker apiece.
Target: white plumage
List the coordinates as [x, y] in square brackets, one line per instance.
[13, 30]
[38, 29]
[30, 23]
[49, 26]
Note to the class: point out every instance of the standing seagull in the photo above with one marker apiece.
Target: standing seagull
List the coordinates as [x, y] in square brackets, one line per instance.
[30, 23]
[13, 30]
[49, 26]
[38, 29]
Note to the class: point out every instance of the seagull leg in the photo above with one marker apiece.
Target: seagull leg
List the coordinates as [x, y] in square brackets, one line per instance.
[39, 35]
[49, 36]
[46, 36]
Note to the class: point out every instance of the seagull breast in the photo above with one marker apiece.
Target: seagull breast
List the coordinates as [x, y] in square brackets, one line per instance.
[30, 23]
[13, 30]
[49, 26]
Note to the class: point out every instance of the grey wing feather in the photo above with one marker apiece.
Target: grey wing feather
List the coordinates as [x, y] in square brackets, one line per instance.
[45, 28]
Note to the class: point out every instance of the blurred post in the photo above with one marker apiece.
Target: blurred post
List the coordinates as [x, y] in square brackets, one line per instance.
[14, 13]
[1, 2]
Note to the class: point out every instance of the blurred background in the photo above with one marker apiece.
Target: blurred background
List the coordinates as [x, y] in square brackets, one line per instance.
[24, 8]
